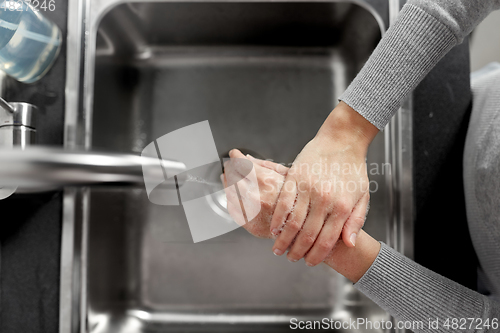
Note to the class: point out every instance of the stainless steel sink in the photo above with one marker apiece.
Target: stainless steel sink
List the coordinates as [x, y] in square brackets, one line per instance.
[265, 75]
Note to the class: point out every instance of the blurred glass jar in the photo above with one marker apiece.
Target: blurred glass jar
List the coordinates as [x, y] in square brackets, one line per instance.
[29, 43]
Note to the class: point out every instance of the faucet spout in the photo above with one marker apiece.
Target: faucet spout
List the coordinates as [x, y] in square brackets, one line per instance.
[41, 168]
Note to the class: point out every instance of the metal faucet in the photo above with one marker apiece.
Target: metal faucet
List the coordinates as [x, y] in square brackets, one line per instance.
[17, 129]
[36, 169]
[42, 168]
[17, 124]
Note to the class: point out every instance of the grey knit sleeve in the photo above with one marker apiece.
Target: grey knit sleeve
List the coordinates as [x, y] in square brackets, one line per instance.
[425, 31]
[412, 293]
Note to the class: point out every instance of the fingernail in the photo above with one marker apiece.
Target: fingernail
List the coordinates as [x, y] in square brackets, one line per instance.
[353, 239]
[292, 260]
[248, 155]
[274, 231]
[277, 252]
[309, 264]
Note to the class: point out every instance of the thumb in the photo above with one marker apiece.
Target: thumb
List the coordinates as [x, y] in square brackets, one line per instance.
[356, 221]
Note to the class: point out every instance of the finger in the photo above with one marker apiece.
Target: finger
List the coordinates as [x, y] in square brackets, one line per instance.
[230, 190]
[236, 213]
[284, 205]
[236, 153]
[240, 162]
[250, 192]
[326, 240]
[233, 202]
[243, 166]
[307, 236]
[240, 192]
[233, 173]
[231, 195]
[279, 168]
[356, 221]
[292, 225]
[236, 164]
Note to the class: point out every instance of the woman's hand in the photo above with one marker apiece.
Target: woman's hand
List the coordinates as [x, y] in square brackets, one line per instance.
[350, 262]
[262, 189]
[326, 191]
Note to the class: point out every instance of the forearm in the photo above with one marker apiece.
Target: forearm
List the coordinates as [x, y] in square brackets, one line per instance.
[354, 262]
[404, 56]
[347, 129]
[407, 290]
[413, 293]
[351, 262]
[425, 31]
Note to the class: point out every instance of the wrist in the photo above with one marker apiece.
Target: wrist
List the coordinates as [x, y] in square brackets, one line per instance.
[347, 127]
[354, 262]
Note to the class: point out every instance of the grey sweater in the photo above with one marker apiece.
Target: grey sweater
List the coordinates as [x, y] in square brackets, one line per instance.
[423, 34]
[425, 31]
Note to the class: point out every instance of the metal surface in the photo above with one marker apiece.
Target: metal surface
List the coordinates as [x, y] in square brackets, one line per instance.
[6, 106]
[265, 75]
[17, 129]
[24, 114]
[399, 153]
[19, 114]
[34, 168]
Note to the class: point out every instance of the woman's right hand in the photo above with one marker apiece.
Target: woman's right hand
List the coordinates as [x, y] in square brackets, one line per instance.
[348, 261]
[326, 191]
[263, 190]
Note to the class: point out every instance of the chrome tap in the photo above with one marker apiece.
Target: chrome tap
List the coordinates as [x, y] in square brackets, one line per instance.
[17, 129]
[42, 168]
[17, 124]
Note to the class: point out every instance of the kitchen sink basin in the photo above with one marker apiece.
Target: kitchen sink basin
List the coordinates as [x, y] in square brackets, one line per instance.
[265, 75]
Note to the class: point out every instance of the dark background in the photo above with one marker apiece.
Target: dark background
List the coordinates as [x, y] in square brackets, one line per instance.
[442, 106]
